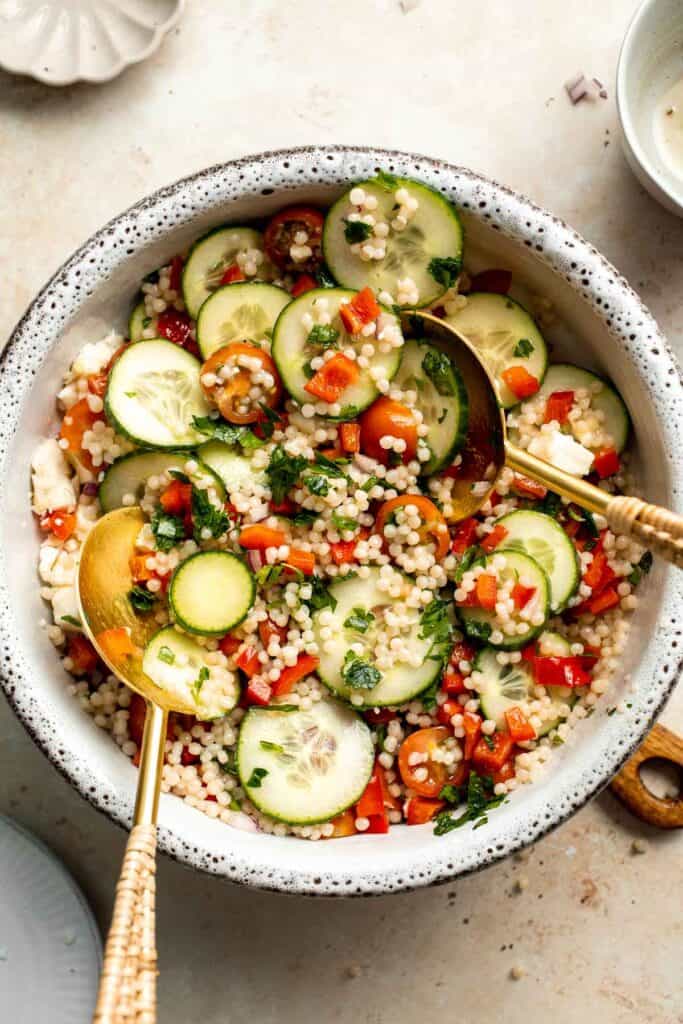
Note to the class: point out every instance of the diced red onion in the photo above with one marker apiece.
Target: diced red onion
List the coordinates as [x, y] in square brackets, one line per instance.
[255, 560]
[579, 87]
[90, 489]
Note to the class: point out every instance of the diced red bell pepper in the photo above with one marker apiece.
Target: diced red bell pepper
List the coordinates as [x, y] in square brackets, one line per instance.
[303, 283]
[174, 326]
[333, 378]
[82, 654]
[176, 273]
[453, 683]
[529, 652]
[301, 561]
[259, 537]
[505, 772]
[360, 311]
[445, 711]
[139, 570]
[289, 677]
[177, 498]
[520, 382]
[186, 758]
[282, 508]
[552, 671]
[344, 551]
[61, 523]
[344, 824]
[519, 727]
[258, 692]
[248, 661]
[233, 274]
[464, 535]
[487, 591]
[609, 598]
[494, 538]
[494, 280]
[472, 725]
[462, 651]
[488, 758]
[372, 800]
[606, 462]
[558, 406]
[228, 644]
[379, 716]
[267, 630]
[379, 824]
[420, 809]
[528, 488]
[521, 595]
[349, 434]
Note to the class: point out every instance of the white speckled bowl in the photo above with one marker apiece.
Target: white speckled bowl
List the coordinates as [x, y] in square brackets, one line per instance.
[605, 326]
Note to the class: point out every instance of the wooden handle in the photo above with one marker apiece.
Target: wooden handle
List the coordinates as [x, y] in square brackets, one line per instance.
[127, 992]
[656, 527]
[663, 812]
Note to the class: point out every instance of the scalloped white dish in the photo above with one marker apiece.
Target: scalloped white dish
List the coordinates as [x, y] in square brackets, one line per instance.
[604, 326]
[60, 42]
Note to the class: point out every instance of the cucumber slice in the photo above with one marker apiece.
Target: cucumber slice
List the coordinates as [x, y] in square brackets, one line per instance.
[503, 687]
[130, 473]
[210, 257]
[433, 233]
[244, 312]
[441, 398]
[292, 353]
[398, 684]
[211, 592]
[304, 767]
[178, 664]
[139, 321]
[479, 623]
[553, 645]
[234, 470]
[498, 327]
[153, 394]
[564, 377]
[543, 539]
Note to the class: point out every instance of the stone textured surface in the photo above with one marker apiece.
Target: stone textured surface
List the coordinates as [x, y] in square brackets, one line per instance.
[594, 929]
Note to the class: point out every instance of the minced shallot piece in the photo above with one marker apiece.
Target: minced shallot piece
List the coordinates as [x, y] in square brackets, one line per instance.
[579, 87]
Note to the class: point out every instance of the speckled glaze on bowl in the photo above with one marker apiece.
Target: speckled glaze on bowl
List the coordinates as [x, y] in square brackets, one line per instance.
[95, 288]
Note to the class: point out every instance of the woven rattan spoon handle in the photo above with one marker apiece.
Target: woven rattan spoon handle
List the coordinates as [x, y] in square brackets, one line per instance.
[127, 992]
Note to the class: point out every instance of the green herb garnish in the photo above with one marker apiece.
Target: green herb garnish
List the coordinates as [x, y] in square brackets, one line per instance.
[445, 270]
[359, 674]
[206, 516]
[142, 599]
[320, 596]
[282, 472]
[275, 747]
[197, 685]
[256, 777]
[323, 335]
[360, 620]
[356, 231]
[523, 348]
[166, 655]
[438, 367]
[641, 569]
[479, 801]
[388, 181]
[168, 530]
[219, 430]
[72, 620]
[343, 523]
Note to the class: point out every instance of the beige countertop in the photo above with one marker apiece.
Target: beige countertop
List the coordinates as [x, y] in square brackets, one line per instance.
[594, 928]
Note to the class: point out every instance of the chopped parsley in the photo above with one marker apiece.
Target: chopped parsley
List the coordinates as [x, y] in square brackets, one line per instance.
[317, 484]
[445, 270]
[182, 478]
[478, 630]
[146, 321]
[343, 523]
[371, 482]
[304, 517]
[523, 348]
[428, 696]
[275, 747]
[356, 231]
[438, 367]
[359, 674]
[256, 778]
[388, 181]
[551, 504]
[324, 335]
[166, 655]
[168, 530]
[360, 620]
[480, 800]
[197, 685]
[453, 794]
[142, 599]
[436, 625]
[206, 516]
[229, 766]
[470, 557]
[219, 430]
[641, 569]
[267, 424]
[268, 575]
[282, 472]
[324, 278]
[72, 620]
[320, 596]
[442, 416]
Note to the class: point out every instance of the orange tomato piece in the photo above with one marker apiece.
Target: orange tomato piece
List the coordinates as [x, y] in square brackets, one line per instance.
[424, 742]
[231, 394]
[61, 523]
[77, 420]
[433, 526]
[386, 417]
[82, 654]
[259, 537]
[301, 561]
[420, 809]
[487, 591]
[360, 311]
[520, 382]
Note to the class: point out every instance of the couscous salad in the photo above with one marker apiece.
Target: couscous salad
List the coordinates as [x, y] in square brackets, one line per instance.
[357, 658]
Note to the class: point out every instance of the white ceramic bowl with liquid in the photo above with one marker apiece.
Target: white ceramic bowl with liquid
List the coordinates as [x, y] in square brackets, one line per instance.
[651, 114]
[601, 324]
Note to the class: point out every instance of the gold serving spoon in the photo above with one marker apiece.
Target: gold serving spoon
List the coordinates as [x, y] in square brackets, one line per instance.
[487, 447]
[127, 991]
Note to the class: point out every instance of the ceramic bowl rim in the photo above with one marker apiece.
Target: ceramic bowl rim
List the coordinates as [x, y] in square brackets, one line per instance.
[442, 867]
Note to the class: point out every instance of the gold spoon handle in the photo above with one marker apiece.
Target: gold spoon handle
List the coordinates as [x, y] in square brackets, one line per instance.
[127, 993]
[656, 527]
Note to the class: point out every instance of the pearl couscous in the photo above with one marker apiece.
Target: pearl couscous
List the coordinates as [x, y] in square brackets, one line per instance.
[357, 657]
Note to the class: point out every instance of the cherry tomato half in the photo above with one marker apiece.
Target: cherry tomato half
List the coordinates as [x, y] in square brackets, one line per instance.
[231, 390]
[280, 236]
[424, 741]
[432, 527]
[387, 417]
